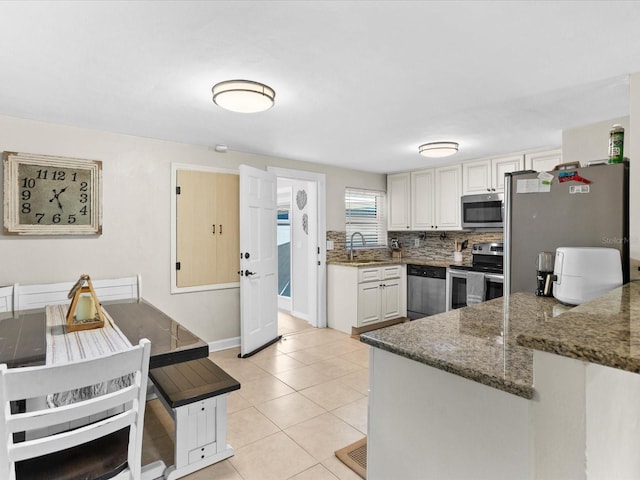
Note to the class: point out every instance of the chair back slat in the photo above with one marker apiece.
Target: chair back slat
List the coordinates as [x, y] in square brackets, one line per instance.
[58, 415]
[33, 382]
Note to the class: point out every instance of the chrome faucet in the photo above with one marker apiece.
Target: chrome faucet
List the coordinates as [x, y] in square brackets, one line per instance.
[364, 242]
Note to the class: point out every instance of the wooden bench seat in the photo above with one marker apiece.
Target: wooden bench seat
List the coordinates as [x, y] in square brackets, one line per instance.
[195, 394]
[192, 381]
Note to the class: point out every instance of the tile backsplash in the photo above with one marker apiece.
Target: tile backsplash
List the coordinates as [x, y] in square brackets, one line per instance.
[437, 246]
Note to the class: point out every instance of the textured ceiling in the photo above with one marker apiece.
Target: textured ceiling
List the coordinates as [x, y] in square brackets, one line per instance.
[358, 84]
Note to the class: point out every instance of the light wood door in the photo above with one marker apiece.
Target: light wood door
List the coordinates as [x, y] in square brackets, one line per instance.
[228, 228]
[207, 228]
[196, 241]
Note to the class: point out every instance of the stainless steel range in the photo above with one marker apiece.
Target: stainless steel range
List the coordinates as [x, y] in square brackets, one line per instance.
[478, 282]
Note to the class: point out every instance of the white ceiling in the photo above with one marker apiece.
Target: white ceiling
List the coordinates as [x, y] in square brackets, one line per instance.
[358, 84]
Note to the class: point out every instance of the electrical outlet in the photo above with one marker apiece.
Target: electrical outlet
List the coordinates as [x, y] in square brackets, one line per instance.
[329, 244]
[416, 242]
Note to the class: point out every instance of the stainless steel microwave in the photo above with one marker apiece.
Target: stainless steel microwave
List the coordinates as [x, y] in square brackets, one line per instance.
[485, 211]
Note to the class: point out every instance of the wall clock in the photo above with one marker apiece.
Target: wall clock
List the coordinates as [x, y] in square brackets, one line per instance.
[47, 195]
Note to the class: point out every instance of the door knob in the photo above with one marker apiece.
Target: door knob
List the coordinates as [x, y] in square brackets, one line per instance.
[248, 273]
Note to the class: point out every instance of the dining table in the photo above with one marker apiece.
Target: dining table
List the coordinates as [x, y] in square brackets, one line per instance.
[23, 334]
[23, 343]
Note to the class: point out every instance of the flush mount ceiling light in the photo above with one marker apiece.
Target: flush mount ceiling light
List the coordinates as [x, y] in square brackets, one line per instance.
[244, 96]
[438, 149]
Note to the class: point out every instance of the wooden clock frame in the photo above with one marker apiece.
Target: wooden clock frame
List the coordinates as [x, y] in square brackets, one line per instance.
[16, 189]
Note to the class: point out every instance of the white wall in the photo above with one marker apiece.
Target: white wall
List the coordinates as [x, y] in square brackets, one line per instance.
[591, 142]
[136, 217]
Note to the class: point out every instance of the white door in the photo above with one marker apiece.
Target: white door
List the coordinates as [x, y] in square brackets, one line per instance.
[258, 260]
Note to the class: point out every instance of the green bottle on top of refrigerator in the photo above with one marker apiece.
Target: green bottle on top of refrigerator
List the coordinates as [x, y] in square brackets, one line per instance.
[616, 144]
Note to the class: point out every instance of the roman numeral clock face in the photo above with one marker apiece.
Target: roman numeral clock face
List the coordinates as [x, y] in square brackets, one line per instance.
[51, 195]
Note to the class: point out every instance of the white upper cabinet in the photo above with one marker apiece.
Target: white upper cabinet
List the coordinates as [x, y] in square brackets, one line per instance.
[422, 199]
[448, 189]
[487, 176]
[476, 177]
[399, 201]
[543, 161]
[500, 166]
[433, 199]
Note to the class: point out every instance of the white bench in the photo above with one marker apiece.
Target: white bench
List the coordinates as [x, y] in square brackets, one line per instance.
[31, 297]
[195, 395]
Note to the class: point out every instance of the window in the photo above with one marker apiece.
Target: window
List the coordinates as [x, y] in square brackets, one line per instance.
[365, 213]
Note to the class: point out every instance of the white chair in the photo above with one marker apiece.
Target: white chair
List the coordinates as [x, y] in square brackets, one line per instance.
[6, 299]
[108, 448]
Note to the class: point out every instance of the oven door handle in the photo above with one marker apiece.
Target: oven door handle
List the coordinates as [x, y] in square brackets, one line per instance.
[494, 278]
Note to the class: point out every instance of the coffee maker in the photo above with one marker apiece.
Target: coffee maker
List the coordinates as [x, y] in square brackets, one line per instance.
[544, 274]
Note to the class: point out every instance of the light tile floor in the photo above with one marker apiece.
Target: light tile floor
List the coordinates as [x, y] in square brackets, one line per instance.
[300, 400]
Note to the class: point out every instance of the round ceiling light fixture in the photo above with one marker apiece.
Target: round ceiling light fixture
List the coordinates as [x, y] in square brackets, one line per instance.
[244, 96]
[438, 149]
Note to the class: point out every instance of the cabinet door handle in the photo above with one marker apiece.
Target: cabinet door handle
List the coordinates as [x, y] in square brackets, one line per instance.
[220, 229]
[214, 228]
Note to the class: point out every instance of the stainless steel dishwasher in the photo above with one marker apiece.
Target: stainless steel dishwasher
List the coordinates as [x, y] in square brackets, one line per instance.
[426, 287]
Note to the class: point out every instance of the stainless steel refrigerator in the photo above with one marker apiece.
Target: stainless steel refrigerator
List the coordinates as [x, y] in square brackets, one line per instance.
[572, 213]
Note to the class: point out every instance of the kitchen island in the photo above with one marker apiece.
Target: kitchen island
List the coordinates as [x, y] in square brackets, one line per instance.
[454, 396]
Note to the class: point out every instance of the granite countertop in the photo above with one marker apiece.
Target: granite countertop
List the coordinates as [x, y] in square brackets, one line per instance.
[477, 342]
[605, 331]
[391, 261]
[493, 342]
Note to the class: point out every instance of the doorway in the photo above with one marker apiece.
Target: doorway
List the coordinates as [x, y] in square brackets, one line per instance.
[301, 246]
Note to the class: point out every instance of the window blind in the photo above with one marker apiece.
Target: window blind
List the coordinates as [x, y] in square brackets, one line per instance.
[365, 213]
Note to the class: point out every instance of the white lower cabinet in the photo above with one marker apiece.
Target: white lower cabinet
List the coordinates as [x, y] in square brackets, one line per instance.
[378, 301]
[361, 296]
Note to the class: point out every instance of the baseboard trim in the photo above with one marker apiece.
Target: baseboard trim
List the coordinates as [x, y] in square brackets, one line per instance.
[224, 344]
[355, 332]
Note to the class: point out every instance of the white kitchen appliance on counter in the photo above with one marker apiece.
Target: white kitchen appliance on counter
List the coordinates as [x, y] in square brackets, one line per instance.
[584, 273]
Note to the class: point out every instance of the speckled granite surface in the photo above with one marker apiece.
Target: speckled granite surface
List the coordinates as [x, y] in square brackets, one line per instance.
[605, 331]
[478, 342]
